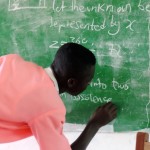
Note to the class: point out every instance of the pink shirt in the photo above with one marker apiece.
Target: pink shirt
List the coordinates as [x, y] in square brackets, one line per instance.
[30, 104]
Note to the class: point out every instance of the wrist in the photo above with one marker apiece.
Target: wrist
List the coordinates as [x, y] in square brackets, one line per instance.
[94, 125]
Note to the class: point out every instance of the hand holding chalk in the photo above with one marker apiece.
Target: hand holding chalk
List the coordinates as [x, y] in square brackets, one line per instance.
[104, 114]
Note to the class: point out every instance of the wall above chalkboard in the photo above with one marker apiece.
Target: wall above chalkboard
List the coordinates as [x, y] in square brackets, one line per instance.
[117, 32]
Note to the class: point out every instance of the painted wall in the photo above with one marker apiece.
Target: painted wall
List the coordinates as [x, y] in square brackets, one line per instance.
[102, 141]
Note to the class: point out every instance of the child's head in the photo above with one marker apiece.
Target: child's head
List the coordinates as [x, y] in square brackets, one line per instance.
[73, 67]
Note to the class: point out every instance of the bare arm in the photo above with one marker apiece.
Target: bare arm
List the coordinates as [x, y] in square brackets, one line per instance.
[102, 116]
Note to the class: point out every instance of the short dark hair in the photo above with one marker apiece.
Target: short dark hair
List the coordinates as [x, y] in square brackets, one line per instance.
[73, 59]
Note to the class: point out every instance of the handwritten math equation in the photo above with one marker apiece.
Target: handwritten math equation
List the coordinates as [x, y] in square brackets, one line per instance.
[112, 49]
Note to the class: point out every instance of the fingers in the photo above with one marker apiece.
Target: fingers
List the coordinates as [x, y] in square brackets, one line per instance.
[104, 114]
[108, 105]
[111, 108]
[114, 114]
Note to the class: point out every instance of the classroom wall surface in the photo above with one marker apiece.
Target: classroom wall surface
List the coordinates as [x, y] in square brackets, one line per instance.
[104, 141]
[117, 32]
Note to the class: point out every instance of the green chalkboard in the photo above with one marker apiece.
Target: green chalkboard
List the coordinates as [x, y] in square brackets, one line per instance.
[117, 32]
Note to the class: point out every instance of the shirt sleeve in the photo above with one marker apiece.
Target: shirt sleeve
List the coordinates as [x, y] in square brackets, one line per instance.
[48, 131]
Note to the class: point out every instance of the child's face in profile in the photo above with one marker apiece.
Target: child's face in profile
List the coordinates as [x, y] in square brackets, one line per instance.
[84, 82]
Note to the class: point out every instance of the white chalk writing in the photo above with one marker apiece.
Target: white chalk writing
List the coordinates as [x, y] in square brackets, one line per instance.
[99, 84]
[97, 8]
[77, 7]
[116, 85]
[26, 4]
[79, 40]
[122, 86]
[144, 6]
[88, 97]
[113, 27]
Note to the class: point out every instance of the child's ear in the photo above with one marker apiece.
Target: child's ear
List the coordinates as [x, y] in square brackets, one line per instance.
[72, 82]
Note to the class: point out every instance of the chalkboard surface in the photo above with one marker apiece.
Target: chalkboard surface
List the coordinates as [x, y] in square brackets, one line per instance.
[117, 32]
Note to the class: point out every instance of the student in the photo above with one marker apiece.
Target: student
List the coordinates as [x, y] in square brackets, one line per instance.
[30, 103]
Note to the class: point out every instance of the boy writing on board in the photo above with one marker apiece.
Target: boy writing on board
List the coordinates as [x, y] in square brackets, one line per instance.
[30, 103]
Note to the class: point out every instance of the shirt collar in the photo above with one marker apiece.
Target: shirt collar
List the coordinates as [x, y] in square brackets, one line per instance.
[51, 75]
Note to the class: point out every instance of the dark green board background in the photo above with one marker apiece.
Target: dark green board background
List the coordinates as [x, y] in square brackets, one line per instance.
[117, 32]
